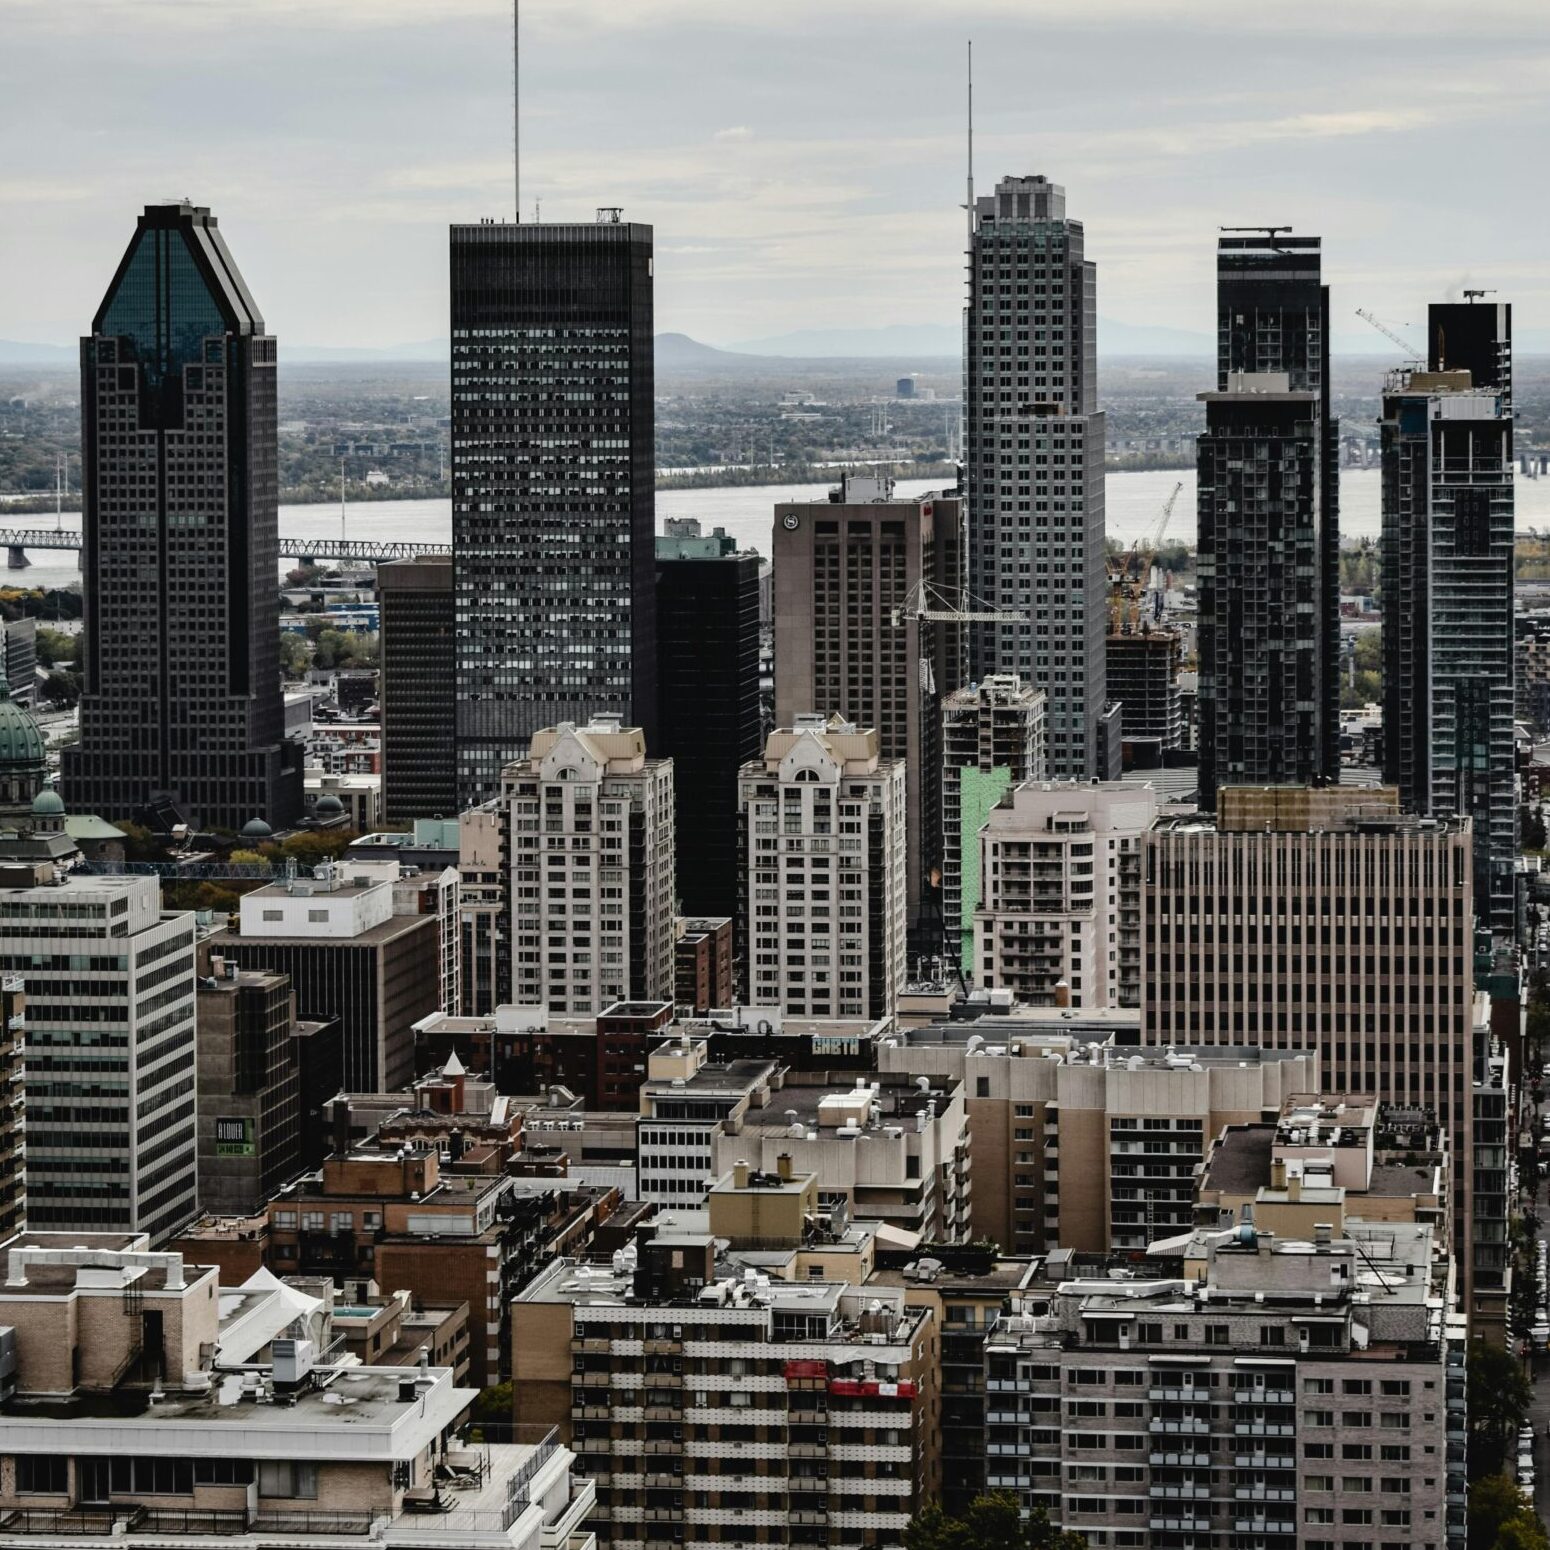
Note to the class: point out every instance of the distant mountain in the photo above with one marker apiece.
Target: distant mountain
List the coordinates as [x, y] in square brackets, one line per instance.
[1115, 338]
[676, 350]
[317, 354]
[15, 353]
[895, 340]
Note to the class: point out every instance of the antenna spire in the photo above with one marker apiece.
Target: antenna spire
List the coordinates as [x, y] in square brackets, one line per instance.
[516, 107]
[969, 206]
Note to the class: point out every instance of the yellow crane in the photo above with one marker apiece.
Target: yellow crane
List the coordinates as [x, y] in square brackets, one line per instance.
[1130, 570]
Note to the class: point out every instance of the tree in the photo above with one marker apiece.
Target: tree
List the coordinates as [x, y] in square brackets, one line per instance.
[295, 657]
[1499, 1396]
[993, 1522]
[55, 648]
[1501, 1517]
[317, 845]
[60, 688]
[1533, 827]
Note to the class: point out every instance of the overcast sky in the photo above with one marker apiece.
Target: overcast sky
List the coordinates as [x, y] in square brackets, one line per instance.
[802, 161]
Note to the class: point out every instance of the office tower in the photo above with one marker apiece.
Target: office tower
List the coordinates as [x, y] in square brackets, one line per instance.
[350, 956]
[591, 866]
[1448, 647]
[13, 1104]
[1060, 875]
[417, 709]
[773, 1380]
[553, 485]
[993, 738]
[180, 564]
[848, 572]
[1143, 680]
[20, 638]
[823, 866]
[1322, 917]
[708, 704]
[1269, 524]
[111, 1137]
[1033, 461]
[1249, 1390]
[249, 1086]
[1078, 1141]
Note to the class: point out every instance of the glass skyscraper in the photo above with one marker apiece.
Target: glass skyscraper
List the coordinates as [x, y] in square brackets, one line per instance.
[553, 485]
[1448, 691]
[182, 708]
[1033, 460]
[1268, 559]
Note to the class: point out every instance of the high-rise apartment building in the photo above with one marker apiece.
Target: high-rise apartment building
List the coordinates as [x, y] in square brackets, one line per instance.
[1243, 1390]
[823, 868]
[553, 485]
[1448, 648]
[13, 1104]
[1322, 917]
[591, 852]
[180, 556]
[1269, 530]
[708, 712]
[415, 690]
[1033, 460]
[111, 1138]
[847, 643]
[1059, 919]
[1143, 679]
[993, 738]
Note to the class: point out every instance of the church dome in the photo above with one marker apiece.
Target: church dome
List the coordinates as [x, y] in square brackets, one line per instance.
[327, 806]
[21, 743]
[48, 804]
[256, 829]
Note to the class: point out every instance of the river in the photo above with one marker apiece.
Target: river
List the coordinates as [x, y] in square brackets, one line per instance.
[1133, 503]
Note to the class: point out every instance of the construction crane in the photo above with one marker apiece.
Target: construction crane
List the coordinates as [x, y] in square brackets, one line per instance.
[1388, 333]
[925, 604]
[1130, 571]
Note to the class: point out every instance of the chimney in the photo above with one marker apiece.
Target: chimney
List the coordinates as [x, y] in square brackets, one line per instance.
[1294, 1188]
[783, 1166]
[1278, 1173]
[740, 1174]
[1062, 993]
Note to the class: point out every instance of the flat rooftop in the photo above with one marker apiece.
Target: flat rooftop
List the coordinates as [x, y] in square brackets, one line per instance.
[1240, 1161]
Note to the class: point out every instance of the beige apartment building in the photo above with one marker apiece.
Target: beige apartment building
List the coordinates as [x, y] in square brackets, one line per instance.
[711, 1402]
[847, 642]
[1078, 1143]
[590, 843]
[1321, 917]
[993, 738]
[823, 847]
[1059, 919]
[143, 1401]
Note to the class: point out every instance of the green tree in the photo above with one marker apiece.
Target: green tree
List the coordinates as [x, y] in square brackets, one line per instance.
[313, 846]
[1533, 827]
[1499, 1396]
[60, 688]
[295, 657]
[1502, 1517]
[55, 648]
[992, 1522]
[140, 844]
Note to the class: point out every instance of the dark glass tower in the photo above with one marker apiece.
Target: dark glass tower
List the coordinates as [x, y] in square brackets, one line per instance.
[708, 679]
[553, 485]
[1033, 460]
[1448, 668]
[181, 561]
[1269, 530]
[419, 664]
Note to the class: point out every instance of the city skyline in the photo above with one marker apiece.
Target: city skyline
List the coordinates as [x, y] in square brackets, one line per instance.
[764, 227]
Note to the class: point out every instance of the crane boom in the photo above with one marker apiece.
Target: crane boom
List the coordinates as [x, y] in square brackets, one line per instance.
[925, 604]
[1388, 333]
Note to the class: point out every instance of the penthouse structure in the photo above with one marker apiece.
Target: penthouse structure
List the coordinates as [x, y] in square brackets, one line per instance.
[824, 896]
[1059, 919]
[1077, 1142]
[141, 1394]
[1246, 1389]
[711, 1400]
[1322, 918]
[590, 825]
[993, 738]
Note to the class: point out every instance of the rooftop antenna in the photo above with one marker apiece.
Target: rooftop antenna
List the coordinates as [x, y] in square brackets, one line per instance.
[1471, 295]
[516, 105]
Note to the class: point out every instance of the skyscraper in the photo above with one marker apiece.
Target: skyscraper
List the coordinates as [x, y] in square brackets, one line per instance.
[181, 549]
[1269, 541]
[419, 666]
[708, 681]
[846, 643]
[1033, 464]
[553, 485]
[1448, 650]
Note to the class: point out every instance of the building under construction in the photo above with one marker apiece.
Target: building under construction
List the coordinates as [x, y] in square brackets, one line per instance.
[1143, 675]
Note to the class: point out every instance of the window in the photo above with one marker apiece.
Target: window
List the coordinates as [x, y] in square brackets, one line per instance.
[287, 1477]
[152, 1476]
[41, 1474]
[1318, 1385]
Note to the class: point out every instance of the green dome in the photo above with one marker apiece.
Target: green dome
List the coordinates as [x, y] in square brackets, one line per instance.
[256, 829]
[328, 806]
[21, 743]
[48, 804]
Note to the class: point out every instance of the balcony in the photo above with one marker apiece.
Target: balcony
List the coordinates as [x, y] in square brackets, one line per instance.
[1192, 1426]
[1263, 1397]
[1186, 1396]
[1263, 1429]
[1263, 1493]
